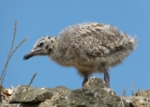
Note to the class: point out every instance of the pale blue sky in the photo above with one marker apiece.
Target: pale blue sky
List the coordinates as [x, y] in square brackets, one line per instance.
[49, 17]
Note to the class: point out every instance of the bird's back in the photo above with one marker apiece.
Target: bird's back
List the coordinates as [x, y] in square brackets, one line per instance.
[93, 45]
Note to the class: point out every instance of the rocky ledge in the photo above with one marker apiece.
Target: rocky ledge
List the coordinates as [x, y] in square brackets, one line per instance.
[93, 94]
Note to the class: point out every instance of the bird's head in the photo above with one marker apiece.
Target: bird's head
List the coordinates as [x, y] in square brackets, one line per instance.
[44, 46]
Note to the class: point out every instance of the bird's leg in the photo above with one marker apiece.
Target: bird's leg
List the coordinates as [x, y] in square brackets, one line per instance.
[85, 79]
[107, 79]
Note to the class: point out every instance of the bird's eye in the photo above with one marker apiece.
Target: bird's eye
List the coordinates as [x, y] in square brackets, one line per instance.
[41, 44]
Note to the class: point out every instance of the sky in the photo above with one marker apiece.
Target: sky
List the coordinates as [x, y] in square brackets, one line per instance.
[50, 17]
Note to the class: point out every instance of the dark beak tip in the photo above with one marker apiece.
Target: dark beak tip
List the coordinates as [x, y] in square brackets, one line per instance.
[27, 56]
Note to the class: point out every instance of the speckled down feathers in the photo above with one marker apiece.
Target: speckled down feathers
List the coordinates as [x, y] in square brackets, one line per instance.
[92, 47]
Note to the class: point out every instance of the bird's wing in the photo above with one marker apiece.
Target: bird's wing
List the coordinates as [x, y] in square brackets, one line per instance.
[97, 51]
[93, 39]
[92, 47]
[97, 40]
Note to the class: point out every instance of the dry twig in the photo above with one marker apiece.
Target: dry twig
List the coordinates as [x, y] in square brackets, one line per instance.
[10, 54]
[28, 88]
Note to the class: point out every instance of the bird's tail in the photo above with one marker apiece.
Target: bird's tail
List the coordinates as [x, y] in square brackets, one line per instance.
[132, 43]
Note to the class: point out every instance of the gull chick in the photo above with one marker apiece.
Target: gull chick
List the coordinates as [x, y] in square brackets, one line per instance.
[88, 47]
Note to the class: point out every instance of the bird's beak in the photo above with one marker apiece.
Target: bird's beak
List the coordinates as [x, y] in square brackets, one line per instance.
[27, 56]
[32, 53]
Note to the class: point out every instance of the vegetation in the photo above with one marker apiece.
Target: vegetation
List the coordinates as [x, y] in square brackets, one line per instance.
[11, 52]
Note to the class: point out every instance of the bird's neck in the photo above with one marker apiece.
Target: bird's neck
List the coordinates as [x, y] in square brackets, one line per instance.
[57, 54]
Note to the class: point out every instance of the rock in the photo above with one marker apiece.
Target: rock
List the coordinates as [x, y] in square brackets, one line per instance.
[102, 97]
[143, 93]
[63, 89]
[58, 97]
[1, 89]
[33, 95]
[18, 105]
[90, 96]
[58, 90]
[94, 82]
[140, 99]
[93, 94]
